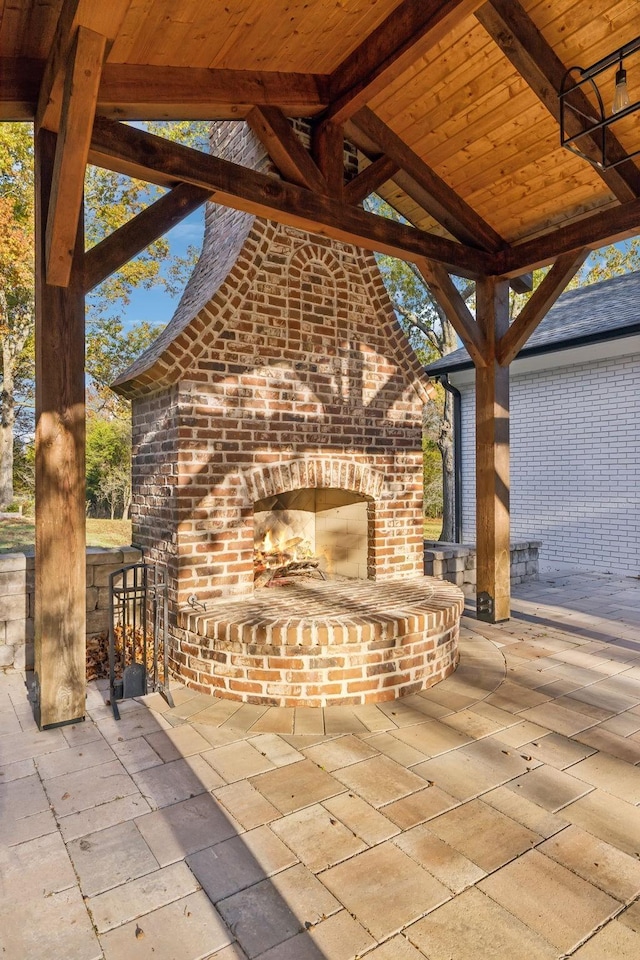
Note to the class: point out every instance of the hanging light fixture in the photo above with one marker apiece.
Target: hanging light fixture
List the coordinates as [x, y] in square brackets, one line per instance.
[594, 118]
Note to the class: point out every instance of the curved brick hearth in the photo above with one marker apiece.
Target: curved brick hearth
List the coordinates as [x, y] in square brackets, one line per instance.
[315, 643]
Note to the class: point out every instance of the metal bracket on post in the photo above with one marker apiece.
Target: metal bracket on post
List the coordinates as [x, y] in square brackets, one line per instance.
[485, 607]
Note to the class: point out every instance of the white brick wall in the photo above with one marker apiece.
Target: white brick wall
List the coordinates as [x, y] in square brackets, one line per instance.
[575, 455]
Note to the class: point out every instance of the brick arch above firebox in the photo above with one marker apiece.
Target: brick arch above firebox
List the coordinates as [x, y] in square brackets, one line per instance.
[334, 472]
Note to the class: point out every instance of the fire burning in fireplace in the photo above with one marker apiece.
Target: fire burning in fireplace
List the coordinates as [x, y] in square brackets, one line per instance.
[281, 556]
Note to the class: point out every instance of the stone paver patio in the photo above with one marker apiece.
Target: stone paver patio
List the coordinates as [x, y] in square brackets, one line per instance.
[495, 816]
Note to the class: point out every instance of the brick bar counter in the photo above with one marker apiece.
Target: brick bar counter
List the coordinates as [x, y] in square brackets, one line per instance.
[309, 642]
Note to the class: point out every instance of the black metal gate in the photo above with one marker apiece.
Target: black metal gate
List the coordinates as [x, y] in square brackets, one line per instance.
[138, 633]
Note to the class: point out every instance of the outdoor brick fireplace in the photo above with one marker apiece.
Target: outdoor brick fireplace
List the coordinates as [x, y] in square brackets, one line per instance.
[277, 471]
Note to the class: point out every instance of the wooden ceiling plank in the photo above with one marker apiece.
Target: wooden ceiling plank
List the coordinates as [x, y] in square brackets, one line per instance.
[517, 36]
[370, 179]
[406, 35]
[133, 237]
[135, 153]
[606, 226]
[443, 289]
[78, 108]
[285, 148]
[538, 305]
[440, 201]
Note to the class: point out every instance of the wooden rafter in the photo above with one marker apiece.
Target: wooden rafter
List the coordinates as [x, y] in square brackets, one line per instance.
[514, 32]
[407, 34]
[135, 153]
[72, 148]
[285, 149]
[370, 179]
[538, 305]
[328, 149]
[460, 317]
[128, 241]
[424, 185]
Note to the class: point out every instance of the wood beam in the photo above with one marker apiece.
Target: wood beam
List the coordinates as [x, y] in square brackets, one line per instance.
[136, 153]
[285, 148]
[511, 28]
[327, 143]
[72, 149]
[133, 237]
[609, 225]
[538, 305]
[414, 27]
[457, 312]
[493, 548]
[370, 179]
[102, 18]
[433, 194]
[60, 585]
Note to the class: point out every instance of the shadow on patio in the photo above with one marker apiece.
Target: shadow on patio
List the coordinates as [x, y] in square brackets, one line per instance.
[496, 815]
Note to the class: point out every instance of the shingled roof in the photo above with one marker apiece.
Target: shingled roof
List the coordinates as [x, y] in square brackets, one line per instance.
[592, 314]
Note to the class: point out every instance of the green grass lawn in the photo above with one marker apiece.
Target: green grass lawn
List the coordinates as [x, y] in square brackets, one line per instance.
[432, 528]
[17, 533]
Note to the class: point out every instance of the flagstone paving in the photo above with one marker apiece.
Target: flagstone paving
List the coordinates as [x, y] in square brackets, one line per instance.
[493, 817]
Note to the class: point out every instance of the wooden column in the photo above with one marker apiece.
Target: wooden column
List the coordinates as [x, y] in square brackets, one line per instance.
[492, 457]
[60, 589]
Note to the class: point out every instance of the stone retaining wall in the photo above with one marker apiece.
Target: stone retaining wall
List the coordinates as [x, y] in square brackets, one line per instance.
[17, 581]
[456, 562]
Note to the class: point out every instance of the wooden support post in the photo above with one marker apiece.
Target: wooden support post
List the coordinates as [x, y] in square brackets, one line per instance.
[492, 457]
[60, 589]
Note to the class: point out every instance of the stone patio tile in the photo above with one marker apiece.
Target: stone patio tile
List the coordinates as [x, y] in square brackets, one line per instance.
[631, 917]
[558, 719]
[455, 696]
[110, 857]
[74, 758]
[307, 721]
[558, 751]
[550, 788]
[244, 718]
[572, 701]
[22, 746]
[424, 704]
[192, 922]
[404, 715]
[175, 781]
[514, 698]
[233, 952]
[372, 718]
[182, 828]
[502, 717]
[398, 948]
[275, 720]
[605, 816]
[179, 742]
[614, 941]
[605, 866]
[216, 711]
[136, 755]
[106, 815]
[340, 752]
[615, 776]
[340, 937]
[342, 720]
[136, 723]
[17, 770]
[56, 926]
[385, 889]
[23, 798]
[276, 749]
[433, 737]
[85, 789]
[474, 768]
[236, 761]
[395, 749]
[520, 733]
[380, 780]
[216, 736]
[318, 839]
[472, 927]
[419, 806]
[240, 862]
[360, 817]
[274, 910]
[297, 785]
[249, 807]
[9, 723]
[77, 734]
[550, 899]
[446, 864]
[473, 724]
[189, 707]
[483, 834]
[137, 897]
[624, 748]
[623, 725]
[35, 869]
[18, 831]
[523, 811]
